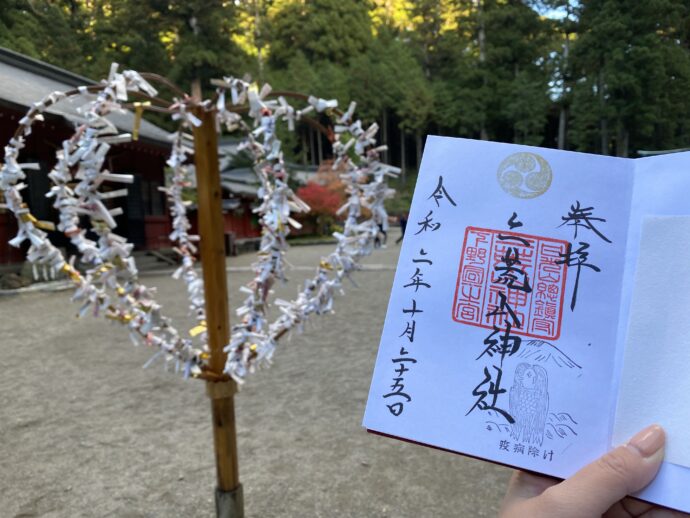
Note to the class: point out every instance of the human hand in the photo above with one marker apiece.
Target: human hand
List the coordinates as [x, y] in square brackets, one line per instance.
[598, 489]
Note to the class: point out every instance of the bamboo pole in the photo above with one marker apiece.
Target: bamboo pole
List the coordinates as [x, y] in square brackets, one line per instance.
[229, 502]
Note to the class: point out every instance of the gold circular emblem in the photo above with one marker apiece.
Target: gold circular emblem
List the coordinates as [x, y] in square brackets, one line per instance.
[524, 175]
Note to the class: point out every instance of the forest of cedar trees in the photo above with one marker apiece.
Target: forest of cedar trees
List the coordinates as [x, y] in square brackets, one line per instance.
[600, 76]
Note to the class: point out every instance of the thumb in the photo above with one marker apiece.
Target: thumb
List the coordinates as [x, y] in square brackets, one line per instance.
[599, 485]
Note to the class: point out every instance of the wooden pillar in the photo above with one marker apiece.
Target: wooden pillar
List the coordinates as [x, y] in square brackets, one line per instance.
[229, 502]
[403, 165]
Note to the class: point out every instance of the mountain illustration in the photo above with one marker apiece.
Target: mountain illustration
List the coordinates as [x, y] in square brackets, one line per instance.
[543, 352]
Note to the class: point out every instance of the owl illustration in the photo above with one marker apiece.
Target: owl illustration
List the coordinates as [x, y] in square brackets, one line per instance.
[529, 403]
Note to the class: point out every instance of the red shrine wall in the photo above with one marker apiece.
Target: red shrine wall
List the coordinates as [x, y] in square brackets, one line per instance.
[241, 223]
[145, 221]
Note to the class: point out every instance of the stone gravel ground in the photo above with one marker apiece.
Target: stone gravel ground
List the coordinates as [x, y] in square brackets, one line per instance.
[86, 432]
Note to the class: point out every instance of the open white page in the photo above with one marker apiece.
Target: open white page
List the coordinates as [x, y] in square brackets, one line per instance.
[501, 234]
[654, 386]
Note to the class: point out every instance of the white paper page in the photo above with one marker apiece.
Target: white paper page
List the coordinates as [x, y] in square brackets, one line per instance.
[655, 386]
[438, 388]
[661, 188]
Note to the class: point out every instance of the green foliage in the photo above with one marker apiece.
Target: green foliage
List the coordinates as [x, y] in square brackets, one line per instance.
[323, 30]
[123, 32]
[635, 70]
[45, 30]
[202, 46]
[616, 72]
[400, 203]
[390, 71]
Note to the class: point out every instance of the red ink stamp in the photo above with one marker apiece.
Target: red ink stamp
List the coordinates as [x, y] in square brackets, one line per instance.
[479, 283]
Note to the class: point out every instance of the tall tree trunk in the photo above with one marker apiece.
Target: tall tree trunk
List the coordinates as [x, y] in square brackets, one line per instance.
[196, 89]
[403, 169]
[483, 134]
[418, 141]
[562, 126]
[603, 123]
[565, 74]
[384, 133]
[257, 40]
[481, 42]
[622, 140]
[626, 143]
[481, 30]
[604, 128]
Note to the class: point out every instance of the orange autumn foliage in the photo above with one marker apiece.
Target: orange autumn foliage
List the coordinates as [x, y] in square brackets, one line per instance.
[322, 200]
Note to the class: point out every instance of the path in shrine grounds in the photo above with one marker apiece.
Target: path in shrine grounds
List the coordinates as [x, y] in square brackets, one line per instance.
[84, 431]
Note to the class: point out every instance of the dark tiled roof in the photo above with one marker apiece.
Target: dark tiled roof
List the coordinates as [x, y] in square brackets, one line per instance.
[24, 80]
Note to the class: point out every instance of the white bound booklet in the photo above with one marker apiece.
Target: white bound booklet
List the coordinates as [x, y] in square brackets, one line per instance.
[539, 310]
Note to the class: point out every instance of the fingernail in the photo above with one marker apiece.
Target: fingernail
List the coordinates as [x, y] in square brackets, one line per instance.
[648, 441]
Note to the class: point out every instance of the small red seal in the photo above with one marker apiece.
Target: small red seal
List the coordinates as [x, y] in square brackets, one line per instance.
[502, 271]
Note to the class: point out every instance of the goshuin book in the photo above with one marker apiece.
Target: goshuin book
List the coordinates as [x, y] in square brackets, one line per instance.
[540, 309]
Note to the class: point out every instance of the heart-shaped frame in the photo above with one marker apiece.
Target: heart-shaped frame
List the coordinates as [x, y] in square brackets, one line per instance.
[110, 283]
